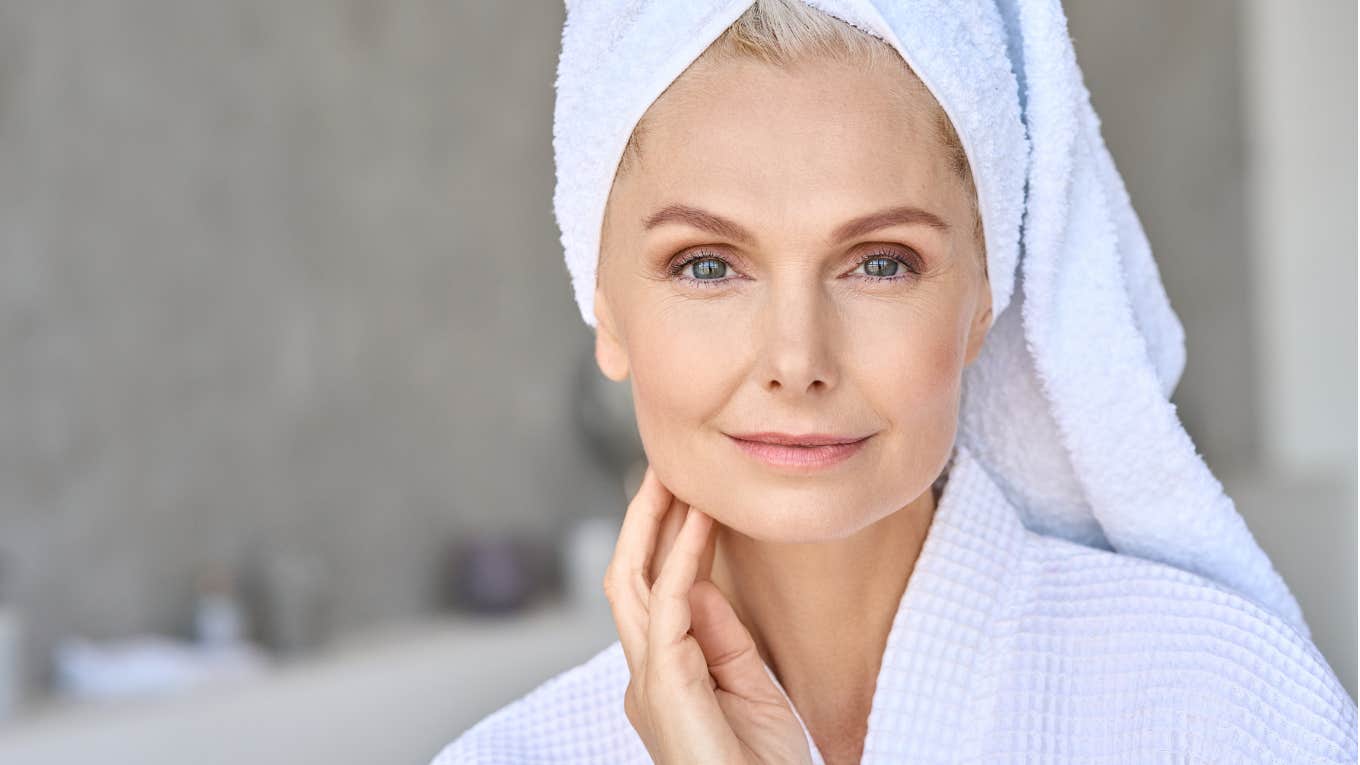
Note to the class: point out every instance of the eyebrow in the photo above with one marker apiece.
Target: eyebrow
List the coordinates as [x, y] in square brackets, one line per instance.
[716, 224]
[700, 219]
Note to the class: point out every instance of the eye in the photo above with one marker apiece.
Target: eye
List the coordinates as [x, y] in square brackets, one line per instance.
[884, 266]
[707, 269]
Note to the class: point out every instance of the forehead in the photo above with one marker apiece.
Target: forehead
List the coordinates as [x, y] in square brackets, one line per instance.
[747, 128]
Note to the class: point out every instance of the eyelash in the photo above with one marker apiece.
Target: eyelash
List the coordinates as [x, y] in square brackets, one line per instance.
[677, 270]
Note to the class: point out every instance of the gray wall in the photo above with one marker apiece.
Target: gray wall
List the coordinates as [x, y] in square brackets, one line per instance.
[279, 272]
[288, 273]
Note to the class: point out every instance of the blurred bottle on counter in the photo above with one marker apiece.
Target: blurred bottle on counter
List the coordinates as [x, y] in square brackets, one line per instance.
[219, 619]
[286, 588]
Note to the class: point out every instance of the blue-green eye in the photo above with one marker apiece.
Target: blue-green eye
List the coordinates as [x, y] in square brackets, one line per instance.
[708, 270]
[886, 267]
[880, 266]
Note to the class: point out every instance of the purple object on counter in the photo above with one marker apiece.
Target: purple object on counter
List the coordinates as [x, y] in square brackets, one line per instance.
[493, 574]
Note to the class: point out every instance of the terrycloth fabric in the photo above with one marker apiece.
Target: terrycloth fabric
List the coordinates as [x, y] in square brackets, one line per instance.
[1011, 646]
[1068, 404]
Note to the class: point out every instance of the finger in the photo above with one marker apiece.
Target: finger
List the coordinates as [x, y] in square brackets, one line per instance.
[668, 614]
[630, 618]
[636, 545]
[706, 557]
[731, 653]
[686, 715]
[665, 538]
[625, 579]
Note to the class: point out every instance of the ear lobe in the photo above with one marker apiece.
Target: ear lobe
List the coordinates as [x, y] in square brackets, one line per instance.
[610, 354]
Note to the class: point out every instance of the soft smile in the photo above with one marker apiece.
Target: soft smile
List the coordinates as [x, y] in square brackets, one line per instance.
[801, 452]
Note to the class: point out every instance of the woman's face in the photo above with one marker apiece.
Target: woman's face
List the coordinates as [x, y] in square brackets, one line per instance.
[793, 253]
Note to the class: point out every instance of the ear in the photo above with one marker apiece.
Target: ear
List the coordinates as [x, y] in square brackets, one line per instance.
[982, 321]
[610, 353]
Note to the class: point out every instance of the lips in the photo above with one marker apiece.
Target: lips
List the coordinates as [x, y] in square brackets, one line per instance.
[800, 453]
[790, 439]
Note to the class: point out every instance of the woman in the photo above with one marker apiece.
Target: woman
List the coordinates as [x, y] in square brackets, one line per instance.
[889, 516]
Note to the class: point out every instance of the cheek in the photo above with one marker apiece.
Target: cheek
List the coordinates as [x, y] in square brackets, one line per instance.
[681, 376]
[912, 373]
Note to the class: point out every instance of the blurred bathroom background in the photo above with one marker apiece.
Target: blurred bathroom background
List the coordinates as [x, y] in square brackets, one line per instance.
[303, 455]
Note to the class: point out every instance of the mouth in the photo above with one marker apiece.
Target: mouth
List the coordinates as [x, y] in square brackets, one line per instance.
[802, 453]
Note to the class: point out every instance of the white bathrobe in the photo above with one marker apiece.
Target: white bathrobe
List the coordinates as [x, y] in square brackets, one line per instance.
[1013, 646]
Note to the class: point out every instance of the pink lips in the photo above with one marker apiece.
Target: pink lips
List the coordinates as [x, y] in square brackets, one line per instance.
[803, 452]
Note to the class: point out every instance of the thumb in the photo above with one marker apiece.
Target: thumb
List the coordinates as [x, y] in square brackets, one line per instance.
[732, 658]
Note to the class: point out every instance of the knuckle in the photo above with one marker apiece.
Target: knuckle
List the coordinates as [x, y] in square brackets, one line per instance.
[662, 591]
[731, 656]
[631, 705]
[613, 583]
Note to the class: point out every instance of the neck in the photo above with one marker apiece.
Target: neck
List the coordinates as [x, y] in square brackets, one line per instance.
[820, 613]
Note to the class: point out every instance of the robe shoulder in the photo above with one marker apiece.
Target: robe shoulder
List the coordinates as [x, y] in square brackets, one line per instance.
[1132, 649]
[576, 716]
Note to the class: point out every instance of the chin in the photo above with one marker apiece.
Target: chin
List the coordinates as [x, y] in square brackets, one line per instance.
[797, 515]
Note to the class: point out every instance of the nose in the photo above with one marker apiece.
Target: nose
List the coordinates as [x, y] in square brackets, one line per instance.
[796, 340]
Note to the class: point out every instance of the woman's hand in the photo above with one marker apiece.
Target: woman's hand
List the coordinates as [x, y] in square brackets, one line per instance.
[699, 691]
